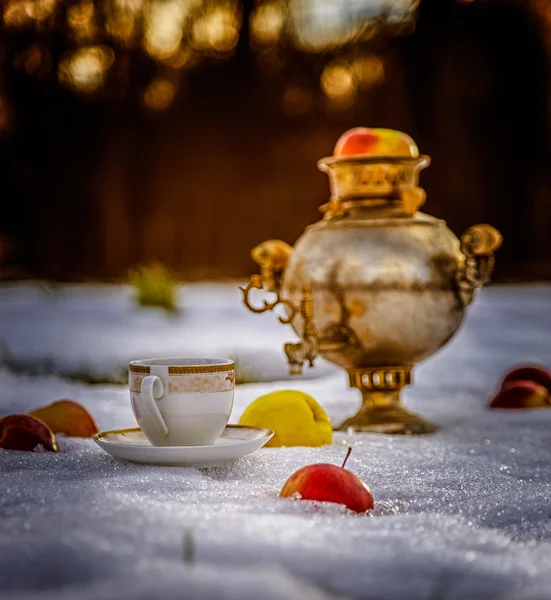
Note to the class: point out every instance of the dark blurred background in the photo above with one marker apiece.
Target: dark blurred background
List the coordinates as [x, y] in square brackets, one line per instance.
[188, 131]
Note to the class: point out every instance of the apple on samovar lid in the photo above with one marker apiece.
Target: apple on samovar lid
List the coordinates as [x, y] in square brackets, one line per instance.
[375, 142]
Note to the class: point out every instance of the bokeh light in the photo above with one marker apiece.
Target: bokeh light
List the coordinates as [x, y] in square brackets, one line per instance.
[85, 69]
[40, 10]
[217, 30]
[122, 20]
[266, 24]
[159, 94]
[339, 86]
[80, 18]
[338, 81]
[16, 14]
[368, 70]
[324, 24]
[164, 29]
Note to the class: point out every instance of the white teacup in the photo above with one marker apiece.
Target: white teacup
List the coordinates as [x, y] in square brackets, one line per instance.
[182, 401]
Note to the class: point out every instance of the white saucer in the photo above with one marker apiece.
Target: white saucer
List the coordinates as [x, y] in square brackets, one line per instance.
[131, 444]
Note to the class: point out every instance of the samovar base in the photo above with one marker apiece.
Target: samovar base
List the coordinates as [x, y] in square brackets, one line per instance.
[388, 419]
[382, 411]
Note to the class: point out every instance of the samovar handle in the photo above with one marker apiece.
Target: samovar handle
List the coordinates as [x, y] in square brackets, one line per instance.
[478, 244]
[272, 257]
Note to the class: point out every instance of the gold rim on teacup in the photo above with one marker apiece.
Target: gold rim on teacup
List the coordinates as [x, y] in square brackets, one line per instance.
[216, 366]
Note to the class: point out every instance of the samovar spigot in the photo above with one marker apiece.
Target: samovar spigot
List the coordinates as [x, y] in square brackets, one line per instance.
[307, 349]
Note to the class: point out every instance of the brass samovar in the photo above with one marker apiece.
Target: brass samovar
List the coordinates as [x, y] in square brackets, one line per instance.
[375, 286]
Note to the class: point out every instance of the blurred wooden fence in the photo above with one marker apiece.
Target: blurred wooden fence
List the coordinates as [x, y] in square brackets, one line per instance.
[91, 190]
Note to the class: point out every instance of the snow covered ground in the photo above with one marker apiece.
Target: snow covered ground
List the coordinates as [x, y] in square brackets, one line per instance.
[461, 514]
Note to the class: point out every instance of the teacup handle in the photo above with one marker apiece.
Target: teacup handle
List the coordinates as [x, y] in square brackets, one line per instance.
[151, 391]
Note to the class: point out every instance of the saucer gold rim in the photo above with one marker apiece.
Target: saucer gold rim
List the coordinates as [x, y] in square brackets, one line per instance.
[237, 441]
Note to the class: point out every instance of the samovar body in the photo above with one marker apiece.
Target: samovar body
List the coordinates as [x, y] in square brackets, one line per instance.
[388, 282]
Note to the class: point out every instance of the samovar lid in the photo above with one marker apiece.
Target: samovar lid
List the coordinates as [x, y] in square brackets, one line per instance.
[373, 164]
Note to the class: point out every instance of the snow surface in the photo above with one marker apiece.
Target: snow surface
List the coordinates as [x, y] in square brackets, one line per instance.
[461, 514]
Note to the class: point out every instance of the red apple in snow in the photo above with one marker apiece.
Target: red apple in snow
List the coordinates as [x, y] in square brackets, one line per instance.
[533, 373]
[521, 394]
[23, 432]
[330, 483]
